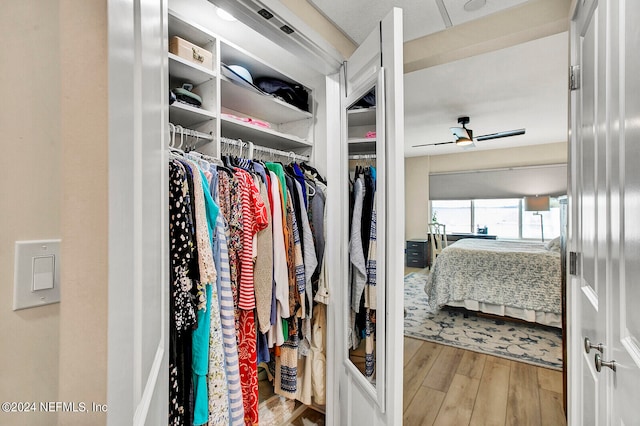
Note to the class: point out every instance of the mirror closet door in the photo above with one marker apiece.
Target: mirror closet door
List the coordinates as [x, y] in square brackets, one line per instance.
[366, 289]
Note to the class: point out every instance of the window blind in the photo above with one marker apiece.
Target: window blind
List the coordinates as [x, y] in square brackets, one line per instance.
[512, 182]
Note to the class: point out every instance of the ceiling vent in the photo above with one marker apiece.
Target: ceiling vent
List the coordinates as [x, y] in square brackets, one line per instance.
[265, 14]
[276, 22]
[286, 29]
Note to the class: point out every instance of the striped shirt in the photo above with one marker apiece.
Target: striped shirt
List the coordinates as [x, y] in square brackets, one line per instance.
[254, 216]
[227, 320]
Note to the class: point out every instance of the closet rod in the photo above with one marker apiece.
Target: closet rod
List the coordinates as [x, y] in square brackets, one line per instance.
[252, 147]
[236, 142]
[204, 156]
[178, 129]
[362, 157]
[291, 155]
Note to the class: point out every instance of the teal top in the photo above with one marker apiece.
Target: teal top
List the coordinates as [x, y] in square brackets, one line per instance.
[200, 342]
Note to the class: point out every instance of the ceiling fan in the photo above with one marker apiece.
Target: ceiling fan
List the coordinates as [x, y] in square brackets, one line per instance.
[464, 137]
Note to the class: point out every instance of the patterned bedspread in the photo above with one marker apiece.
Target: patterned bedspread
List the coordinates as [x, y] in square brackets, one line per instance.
[519, 274]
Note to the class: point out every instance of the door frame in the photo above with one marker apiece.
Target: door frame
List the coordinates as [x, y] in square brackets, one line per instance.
[138, 322]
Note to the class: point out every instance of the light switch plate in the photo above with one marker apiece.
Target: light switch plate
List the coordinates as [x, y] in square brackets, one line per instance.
[36, 273]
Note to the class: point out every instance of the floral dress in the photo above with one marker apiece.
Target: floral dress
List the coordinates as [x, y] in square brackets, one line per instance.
[183, 267]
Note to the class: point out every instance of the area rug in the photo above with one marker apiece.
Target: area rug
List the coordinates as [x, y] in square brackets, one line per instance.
[538, 345]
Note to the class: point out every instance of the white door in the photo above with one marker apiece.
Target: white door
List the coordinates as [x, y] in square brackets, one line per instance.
[624, 338]
[604, 209]
[138, 376]
[377, 65]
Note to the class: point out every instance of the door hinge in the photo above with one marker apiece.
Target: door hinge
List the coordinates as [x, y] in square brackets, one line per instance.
[573, 263]
[574, 77]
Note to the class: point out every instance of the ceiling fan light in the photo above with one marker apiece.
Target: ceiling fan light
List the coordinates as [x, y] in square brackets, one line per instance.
[464, 141]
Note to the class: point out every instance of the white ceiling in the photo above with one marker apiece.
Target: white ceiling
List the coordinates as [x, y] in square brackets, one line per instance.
[357, 18]
[524, 86]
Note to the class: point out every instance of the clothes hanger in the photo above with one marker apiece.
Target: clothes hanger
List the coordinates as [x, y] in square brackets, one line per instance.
[172, 135]
[172, 142]
[181, 130]
[311, 191]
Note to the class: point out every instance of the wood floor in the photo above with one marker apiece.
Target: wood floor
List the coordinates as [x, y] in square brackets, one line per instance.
[450, 386]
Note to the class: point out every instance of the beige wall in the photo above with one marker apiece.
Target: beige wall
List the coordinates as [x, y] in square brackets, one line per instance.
[53, 180]
[30, 186]
[417, 171]
[84, 119]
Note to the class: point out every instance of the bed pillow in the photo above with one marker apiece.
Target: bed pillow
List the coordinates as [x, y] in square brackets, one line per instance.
[553, 245]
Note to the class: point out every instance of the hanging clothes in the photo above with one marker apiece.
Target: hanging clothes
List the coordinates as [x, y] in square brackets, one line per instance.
[263, 268]
[358, 273]
[280, 269]
[363, 260]
[204, 349]
[247, 266]
[254, 220]
[227, 320]
[183, 268]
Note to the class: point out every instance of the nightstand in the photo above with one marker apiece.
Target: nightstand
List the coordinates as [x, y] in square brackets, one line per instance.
[416, 253]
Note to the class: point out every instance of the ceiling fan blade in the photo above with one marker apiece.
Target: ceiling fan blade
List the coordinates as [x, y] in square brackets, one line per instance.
[499, 135]
[458, 132]
[432, 144]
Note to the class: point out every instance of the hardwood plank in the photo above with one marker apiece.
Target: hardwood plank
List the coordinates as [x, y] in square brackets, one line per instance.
[472, 364]
[411, 347]
[523, 404]
[499, 360]
[308, 417]
[508, 392]
[276, 410]
[417, 369]
[424, 407]
[550, 380]
[552, 408]
[491, 404]
[444, 368]
[457, 406]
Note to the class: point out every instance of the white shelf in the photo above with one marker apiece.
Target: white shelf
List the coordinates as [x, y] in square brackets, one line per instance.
[235, 129]
[362, 117]
[361, 140]
[191, 32]
[362, 145]
[232, 97]
[187, 115]
[189, 71]
[265, 107]
[234, 55]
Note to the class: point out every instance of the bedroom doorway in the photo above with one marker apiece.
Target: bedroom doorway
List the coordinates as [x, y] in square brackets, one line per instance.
[433, 369]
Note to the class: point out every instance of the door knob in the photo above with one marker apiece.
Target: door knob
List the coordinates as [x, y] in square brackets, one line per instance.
[600, 363]
[588, 346]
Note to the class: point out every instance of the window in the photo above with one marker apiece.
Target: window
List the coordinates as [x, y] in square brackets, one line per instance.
[455, 214]
[503, 217]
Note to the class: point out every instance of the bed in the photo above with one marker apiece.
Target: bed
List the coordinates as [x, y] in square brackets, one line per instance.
[506, 278]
